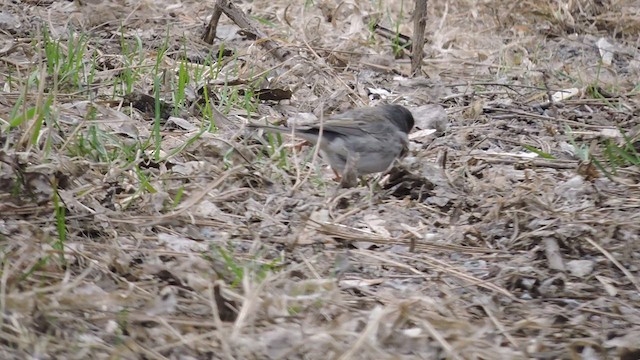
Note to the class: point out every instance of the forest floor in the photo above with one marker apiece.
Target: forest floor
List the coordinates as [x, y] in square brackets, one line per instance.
[141, 219]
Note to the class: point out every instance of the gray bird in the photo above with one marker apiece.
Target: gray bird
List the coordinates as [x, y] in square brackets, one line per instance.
[363, 140]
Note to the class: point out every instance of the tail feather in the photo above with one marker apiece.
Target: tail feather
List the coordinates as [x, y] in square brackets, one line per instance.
[270, 128]
[310, 134]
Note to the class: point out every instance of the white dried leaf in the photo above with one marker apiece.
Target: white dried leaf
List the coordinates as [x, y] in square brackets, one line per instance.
[627, 341]
[565, 94]
[607, 50]
[207, 209]
[417, 135]
[431, 116]
[412, 332]
[608, 285]
[302, 119]
[580, 268]
[181, 123]
[381, 92]
[158, 199]
[180, 244]
[165, 303]
[188, 168]
[355, 283]
[111, 327]
[611, 133]
[376, 225]
[89, 289]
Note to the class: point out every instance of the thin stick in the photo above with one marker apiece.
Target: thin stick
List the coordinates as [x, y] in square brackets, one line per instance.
[615, 262]
[238, 16]
[210, 32]
[417, 48]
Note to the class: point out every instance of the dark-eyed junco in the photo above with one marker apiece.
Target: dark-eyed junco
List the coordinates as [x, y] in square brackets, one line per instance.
[364, 140]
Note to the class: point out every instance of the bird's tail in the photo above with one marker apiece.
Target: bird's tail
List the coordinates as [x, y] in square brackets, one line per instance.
[283, 130]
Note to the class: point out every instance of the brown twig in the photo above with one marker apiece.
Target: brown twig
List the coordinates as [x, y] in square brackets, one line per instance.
[239, 18]
[419, 24]
[527, 163]
[210, 32]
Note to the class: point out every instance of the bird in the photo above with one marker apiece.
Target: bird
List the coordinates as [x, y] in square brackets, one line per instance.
[359, 141]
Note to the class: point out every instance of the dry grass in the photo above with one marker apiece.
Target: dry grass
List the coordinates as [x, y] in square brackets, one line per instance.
[125, 234]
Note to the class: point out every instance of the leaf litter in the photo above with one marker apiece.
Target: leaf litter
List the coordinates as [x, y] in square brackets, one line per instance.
[213, 242]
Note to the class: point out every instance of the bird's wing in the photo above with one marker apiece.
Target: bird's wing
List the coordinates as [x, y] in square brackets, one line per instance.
[359, 121]
[356, 127]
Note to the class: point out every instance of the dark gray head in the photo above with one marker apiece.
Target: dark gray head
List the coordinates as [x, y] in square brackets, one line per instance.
[400, 116]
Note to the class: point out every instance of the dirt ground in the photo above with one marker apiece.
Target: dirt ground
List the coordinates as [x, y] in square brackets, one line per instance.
[141, 219]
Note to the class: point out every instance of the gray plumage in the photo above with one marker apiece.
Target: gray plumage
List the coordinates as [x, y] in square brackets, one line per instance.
[373, 137]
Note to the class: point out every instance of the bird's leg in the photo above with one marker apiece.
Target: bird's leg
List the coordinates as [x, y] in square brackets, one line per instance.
[350, 173]
[338, 177]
